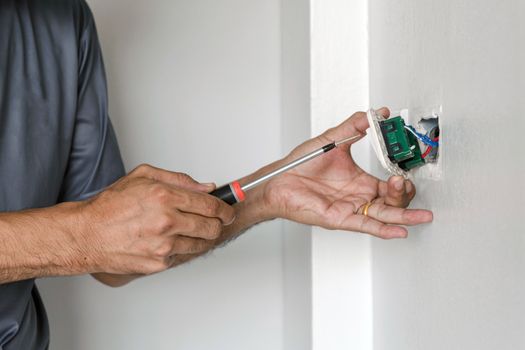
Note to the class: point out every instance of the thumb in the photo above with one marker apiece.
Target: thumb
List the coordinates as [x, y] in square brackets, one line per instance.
[355, 125]
[172, 178]
[187, 182]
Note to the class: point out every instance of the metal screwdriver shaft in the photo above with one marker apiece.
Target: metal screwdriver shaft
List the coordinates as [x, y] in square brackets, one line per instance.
[233, 192]
[297, 162]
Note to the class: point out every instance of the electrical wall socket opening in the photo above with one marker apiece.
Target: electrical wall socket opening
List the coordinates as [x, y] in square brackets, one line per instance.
[428, 122]
[408, 143]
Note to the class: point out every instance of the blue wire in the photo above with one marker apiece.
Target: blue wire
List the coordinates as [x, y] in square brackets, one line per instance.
[424, 138]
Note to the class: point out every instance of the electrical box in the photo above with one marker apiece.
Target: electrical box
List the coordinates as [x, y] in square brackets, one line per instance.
[401, 147]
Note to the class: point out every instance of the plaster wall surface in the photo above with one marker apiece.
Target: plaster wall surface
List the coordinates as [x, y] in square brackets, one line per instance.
[457, 283]
[341, 261]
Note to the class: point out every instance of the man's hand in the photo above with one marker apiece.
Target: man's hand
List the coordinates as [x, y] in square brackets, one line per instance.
[140, 223]
[332, 190]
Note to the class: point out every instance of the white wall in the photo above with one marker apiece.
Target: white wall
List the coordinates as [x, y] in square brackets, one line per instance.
[341, 261]
[459, 282]
[183, 75]
[295, 104]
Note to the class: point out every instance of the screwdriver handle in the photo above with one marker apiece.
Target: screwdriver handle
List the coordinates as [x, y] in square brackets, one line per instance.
[230, 193]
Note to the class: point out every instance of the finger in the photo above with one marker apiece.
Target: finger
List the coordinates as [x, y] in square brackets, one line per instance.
[171, 178]
[203, 204]
[196, 226]
[179, 259]
[367, 224]
[384, 112]
[396, 192]
[355, 125]
[410, 189]
[187, 245]
[390, 193]
[398, 216]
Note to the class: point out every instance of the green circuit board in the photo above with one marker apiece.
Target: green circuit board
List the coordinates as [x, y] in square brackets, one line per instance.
[402, 146]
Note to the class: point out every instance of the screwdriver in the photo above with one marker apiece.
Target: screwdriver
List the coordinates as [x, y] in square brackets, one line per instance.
[233, 192]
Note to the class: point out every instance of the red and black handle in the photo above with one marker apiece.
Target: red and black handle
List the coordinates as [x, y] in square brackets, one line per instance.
[230, 193]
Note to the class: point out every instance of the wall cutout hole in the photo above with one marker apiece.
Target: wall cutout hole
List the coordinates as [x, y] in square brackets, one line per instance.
[430, 126]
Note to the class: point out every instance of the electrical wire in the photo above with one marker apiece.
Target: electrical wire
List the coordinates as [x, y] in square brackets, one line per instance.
[423, 138]
[427, 152]
[429, 148]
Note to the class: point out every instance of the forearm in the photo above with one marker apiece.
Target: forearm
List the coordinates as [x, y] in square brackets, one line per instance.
[39, 243]
[248, 213]
[252, 211]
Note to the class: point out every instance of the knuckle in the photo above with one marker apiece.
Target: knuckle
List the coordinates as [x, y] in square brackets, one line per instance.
[215, 229]
[183, 177]
[159, 192]
[142, 169]
[190, 225]
[381, 211]
[164, 222]
[163, 250]
[213, 206]
[167, 222]
[364, 223]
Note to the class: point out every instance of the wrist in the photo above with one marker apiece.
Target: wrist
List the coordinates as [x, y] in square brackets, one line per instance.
[259, 199]
[257, 202]
[64, 246]
[82, 250]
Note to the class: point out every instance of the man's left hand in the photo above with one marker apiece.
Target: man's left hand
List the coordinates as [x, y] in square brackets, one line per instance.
[331, 191]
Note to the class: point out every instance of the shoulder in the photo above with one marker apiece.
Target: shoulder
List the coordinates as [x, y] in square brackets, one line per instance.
[62, 13]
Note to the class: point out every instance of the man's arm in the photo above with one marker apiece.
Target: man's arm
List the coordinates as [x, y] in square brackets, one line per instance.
[252, 211]
[135, 227]
[327, 192]
[39, 243]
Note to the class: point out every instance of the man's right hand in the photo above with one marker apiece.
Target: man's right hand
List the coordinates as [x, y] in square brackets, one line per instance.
[138, 225]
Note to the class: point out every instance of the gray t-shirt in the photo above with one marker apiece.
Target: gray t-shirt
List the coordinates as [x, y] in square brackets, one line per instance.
[56, 141]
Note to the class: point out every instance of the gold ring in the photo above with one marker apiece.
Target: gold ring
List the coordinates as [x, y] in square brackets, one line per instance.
[366, 207]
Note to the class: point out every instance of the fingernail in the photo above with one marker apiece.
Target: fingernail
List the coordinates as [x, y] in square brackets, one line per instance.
[398, 184]
[231, 222]
[408, 186]
[209, 185]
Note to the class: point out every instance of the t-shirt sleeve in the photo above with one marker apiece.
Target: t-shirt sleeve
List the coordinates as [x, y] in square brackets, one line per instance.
[95, 161]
